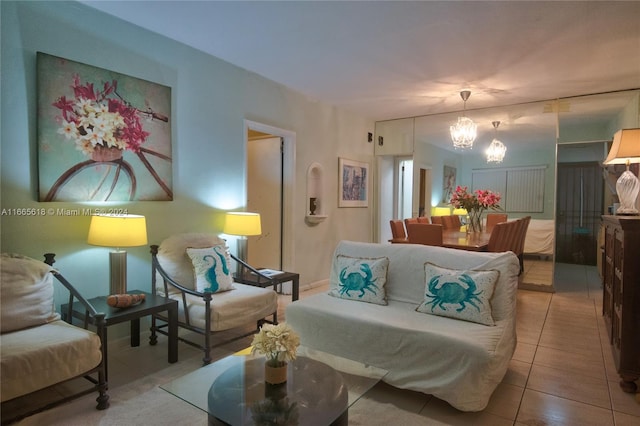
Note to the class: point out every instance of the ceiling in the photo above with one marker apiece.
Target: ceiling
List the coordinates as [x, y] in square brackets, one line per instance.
[388, 60]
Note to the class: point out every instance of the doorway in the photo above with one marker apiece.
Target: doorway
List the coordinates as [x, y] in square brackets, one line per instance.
[269, 191]
[579, 205]
[264, 196]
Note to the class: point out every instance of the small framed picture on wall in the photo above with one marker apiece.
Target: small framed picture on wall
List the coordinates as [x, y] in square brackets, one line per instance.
[353, 183]
[449, 183]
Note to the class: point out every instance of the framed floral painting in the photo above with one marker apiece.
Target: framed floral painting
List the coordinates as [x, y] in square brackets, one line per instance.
[353, 183]
[102, 136]
[448, 183]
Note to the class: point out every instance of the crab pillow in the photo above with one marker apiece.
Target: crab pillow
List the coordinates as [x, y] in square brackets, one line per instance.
[459, 294]
[361, 279]
[211, 268]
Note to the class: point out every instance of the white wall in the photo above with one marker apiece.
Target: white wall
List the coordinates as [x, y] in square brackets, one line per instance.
[210, 101]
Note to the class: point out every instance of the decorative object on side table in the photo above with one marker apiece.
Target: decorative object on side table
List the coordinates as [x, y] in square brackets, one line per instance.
[475, 204]
[625, 149]
[278, 343]
[124, 300]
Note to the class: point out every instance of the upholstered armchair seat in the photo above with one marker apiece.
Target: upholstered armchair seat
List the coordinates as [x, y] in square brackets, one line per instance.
[229, 309]
[39, 350]
[206, 312]
[39, 357]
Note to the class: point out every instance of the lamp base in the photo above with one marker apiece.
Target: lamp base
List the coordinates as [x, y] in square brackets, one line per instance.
[118, 272]
[627, 188]
[242, 255]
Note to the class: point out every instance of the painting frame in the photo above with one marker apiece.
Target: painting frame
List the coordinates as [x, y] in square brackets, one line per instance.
[448, 183]
[102, 135]
[353, 183]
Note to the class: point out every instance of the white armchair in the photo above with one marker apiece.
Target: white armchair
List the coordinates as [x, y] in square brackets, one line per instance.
[39, 349]
[206, 305]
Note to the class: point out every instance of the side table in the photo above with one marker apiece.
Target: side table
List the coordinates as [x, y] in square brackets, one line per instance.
[151, 305]
[250, 278]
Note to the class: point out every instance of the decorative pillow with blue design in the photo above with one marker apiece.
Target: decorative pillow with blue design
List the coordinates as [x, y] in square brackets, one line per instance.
[211, 266]
[459, 294]
[361, 279]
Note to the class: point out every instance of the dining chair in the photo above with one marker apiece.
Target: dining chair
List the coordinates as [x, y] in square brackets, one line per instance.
[509, 236]
[451, 222]
[423, 219]
[504, 237]
[398, 233]
[409, 220]
[436, 220]
[493, 218]
[425, 233]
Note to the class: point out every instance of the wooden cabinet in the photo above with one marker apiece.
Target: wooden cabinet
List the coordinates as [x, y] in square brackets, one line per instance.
[394, 137]
[621, 294]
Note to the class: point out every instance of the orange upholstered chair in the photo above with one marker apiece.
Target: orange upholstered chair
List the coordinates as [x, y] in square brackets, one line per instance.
[493, 218]
[398, 233]
[436, 220]
[409, 220]
[451, 222]
[423, 219]
[425, 233]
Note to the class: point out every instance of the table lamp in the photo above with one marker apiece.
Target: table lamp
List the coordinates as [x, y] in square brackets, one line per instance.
[625, 149]
[242, 224]
[117, 231]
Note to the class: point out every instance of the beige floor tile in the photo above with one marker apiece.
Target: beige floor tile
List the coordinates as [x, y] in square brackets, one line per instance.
[569, 385]
[517, 374]
[525, 352]
[624, 402]
[539, 408]
[570, 342]
[505, 401]
[591, 365]
[438, 412]
[623, 419]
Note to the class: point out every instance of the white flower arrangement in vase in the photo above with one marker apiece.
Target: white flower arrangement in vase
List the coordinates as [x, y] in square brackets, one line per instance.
[278, 343]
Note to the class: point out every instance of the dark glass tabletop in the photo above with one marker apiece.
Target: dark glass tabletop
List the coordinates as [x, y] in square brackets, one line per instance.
[233, 391]
[314, 394]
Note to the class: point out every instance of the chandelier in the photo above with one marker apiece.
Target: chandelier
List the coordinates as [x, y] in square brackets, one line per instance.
[495, 152]
[464, 132]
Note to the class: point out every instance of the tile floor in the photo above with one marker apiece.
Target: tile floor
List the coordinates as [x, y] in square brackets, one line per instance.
[562, 372]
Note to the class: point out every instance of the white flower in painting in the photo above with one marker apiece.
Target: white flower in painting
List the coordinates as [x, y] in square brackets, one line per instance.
[93, 137]
[68, 129]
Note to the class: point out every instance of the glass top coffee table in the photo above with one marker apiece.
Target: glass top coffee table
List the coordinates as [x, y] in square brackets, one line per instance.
[232, 391]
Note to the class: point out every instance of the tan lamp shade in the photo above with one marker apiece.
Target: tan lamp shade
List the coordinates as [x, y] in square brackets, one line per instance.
[625, 147]
[117, 230]
[242, 223]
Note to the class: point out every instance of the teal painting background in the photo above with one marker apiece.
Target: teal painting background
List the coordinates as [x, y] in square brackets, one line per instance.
[57, 154]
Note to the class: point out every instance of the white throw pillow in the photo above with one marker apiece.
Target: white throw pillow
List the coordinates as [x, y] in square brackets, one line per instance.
[211, 268]
[26, 293]
[361, 279]
[459, 294]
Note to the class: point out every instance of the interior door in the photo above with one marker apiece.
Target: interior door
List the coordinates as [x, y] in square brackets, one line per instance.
[264, 196]
[579, 205]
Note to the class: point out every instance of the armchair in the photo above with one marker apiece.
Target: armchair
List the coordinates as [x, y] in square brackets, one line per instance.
[206, 311]
[39, 349]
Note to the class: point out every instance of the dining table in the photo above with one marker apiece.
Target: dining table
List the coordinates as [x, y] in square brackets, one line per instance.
[461, 240]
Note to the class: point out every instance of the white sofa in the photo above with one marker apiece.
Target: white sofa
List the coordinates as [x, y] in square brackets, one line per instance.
[458, 361]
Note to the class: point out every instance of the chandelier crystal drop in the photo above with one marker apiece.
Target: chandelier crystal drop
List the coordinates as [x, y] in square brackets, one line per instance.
[497, 150]
[464, 132]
